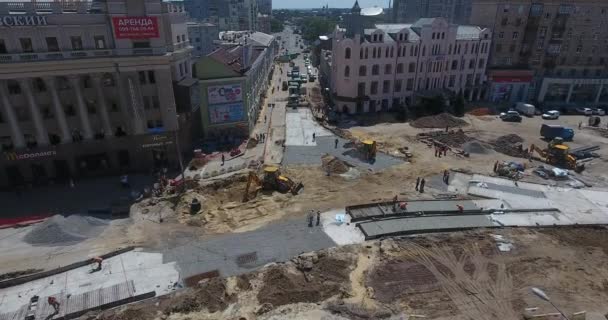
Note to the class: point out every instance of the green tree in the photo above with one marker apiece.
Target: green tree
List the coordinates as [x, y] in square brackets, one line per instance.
[314, 27]
[276, 25]
[459, 105]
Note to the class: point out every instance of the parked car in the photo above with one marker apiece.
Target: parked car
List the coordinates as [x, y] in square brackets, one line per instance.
[584, 111]
[511, 116]
[525, 108]
[599, 112]
[551, 115]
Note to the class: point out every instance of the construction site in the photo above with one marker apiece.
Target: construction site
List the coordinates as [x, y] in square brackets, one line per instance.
[435, 218]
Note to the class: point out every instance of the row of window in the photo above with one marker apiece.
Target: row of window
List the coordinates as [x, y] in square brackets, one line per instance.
[52, 44]
[376, 52]
[430, 83]
[435, 66]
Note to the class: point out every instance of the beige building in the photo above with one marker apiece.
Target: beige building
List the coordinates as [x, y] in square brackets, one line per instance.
[86, 88]
[379, 68]
[550, 51]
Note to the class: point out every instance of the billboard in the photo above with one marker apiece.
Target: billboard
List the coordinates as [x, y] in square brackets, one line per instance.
[227, 93]
[135, 27]
[225, 113]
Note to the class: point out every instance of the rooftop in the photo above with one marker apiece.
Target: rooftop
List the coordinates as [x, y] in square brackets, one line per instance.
[232, 57]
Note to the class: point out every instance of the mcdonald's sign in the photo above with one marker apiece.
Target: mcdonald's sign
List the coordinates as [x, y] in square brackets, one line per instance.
[14, 156]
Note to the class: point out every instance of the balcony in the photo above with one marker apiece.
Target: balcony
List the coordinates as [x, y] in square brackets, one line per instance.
[81, 54]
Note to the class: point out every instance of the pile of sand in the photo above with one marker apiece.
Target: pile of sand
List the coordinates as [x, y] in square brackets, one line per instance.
[476, 147]
[511, 145]
[333, 164]
[60, 230]
[441, 120]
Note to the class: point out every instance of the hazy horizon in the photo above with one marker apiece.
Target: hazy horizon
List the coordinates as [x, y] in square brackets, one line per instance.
[313, 4]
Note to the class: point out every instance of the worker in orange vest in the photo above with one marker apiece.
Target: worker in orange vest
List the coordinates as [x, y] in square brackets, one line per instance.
[53, 303]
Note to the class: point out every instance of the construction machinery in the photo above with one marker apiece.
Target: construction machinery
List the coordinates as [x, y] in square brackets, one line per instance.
[558, 155]
[369, 149]
[272, 180]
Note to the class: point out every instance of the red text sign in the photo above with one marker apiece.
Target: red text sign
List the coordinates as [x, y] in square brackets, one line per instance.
[135, 27]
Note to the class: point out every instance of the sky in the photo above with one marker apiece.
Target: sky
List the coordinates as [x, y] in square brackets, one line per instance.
[298, 4]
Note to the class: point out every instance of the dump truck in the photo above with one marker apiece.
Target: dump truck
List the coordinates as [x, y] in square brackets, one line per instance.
[550, 132]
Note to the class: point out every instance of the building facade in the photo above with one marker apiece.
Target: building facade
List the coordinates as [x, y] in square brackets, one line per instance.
[549, 51]
[408, 11]
[264, 23]
[265, 7]
[233, 81]
[226, 14]
[394, 63]
[80, 84]
[202, 37]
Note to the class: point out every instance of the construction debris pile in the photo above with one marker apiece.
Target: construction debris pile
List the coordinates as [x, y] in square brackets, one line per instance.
[333, 165]
[452, 138]
[476, 147]
[441, 120]
[511, 145]
[60, 230]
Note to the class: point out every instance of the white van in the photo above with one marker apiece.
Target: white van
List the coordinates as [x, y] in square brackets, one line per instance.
[525, 109]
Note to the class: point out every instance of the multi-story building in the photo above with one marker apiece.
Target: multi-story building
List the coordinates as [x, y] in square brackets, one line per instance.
[233, 80]
[265, 7]
[227, 14]
[379, 68]
[408, 11]
[264, 23]
[86, 88]
[550, 51]
[202, 37]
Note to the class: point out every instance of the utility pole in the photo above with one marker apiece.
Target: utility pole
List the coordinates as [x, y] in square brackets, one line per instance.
[181, 162]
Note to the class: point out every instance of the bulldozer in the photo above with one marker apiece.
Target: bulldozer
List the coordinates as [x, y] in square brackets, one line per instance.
[558, 155]
[272, 180]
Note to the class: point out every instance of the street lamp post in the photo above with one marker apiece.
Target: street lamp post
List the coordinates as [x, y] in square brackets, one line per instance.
[541, 294]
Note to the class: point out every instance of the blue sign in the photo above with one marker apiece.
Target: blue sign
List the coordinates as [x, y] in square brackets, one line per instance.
[224, 113]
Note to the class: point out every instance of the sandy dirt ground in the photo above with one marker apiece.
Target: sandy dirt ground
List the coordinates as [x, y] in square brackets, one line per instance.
[460, 275]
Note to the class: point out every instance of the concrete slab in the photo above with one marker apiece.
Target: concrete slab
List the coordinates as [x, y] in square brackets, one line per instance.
[145, 271]
[403, 226]
[342, 233]
[300, 126]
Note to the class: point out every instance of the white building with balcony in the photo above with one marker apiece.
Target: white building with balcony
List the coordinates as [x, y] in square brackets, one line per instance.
[374, 69]
[87, 88]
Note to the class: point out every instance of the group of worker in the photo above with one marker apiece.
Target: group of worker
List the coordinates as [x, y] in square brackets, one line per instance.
[441, 149]
[420, 184]
[311, 217]
[54, 303]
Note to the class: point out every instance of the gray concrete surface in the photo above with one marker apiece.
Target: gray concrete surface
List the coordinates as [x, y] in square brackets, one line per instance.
[375, 229]
[238, 253]
[311, 155]
[445, 206]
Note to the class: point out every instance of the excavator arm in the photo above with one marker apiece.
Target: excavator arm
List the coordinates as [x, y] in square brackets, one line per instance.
[252, 180]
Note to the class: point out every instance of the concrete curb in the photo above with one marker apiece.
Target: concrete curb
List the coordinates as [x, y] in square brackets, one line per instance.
[21, 280]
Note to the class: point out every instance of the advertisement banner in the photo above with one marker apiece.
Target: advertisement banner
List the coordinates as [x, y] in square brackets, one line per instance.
[227, 93]
[225, 113]
[135, 27]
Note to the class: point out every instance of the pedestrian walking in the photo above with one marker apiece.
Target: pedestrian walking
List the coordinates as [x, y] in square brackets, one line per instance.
[313, 137]
[223, 159]
[422, 183]
[336, 143]
[318, 217]
[417, 183]
[52, 301]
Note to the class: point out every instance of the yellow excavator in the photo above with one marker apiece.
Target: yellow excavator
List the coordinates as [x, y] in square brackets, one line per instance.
[369, 149]
[558, 155]
[272, 180]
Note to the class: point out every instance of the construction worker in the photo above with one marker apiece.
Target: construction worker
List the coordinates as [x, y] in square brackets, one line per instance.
[53, 303]
[422, 183]
[460, 208]
[395, 200]
[318, 217]
[98, 260]
[403, 206]
[495, 166]
[336, 143]
[310, 217]
[223, 159]
[447, 177]
[445, 151]
[417, 183]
